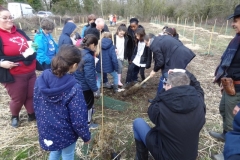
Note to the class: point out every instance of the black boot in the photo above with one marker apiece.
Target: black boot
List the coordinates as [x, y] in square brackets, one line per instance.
[15, 121]
[141, 150]
[31, 117]
[218, 136]
[115, 88]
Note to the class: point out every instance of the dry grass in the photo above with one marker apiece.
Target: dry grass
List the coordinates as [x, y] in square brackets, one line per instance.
[117, 134]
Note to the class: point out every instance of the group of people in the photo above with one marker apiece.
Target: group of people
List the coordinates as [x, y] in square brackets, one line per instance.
[61, 99]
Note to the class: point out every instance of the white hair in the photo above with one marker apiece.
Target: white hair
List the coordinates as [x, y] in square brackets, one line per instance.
[99, 20]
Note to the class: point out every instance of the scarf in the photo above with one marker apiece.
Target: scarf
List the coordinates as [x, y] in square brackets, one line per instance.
[227, 58]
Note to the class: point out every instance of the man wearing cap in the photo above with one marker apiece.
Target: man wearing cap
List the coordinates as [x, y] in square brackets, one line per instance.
[229, 67]
[178, 113]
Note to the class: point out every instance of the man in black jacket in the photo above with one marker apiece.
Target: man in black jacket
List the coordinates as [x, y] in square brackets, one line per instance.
[168, 52]
[178, 113]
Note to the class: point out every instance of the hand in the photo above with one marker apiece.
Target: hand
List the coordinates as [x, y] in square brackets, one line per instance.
[235, 110]
[116, 51]
[97, 94]
[8, 64]
[152, 73]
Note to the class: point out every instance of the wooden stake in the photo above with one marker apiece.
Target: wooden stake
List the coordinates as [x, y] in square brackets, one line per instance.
[226, 28]
[221, 29]
[177, 21]
[206, 22]
[214, 25]
[210, 42]
[184, 26]
[60, 21]
[113, 38]
[101, 91]
[194, 29]
[201, 22]
[55, 28]
[20, 26]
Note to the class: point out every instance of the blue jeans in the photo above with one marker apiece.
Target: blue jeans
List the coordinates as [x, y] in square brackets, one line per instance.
[67, 153]
[140, 129]
[105, 79]
[113, 74]
[160, 85]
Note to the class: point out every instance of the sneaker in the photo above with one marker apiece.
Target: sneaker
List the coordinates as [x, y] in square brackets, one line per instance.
[93, 126]
[15, 122]
[107, 85]
[218, 157]
[218, 136]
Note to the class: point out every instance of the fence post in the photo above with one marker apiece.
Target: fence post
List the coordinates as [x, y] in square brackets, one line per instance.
[226, 28]
[206, 22]
[194, 33]
[184, 26]
[20, 25]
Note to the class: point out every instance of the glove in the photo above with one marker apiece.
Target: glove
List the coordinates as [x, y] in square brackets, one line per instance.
[97, 94]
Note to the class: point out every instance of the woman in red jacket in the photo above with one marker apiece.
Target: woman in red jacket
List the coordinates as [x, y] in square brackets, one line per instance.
[17, 67]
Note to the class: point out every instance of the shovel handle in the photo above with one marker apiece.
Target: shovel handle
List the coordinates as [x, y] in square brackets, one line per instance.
[145, 80]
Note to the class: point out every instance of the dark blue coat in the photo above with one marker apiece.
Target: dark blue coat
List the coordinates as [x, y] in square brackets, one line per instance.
[109, 57]
[232, 139]
[60, 110]
[86, 74]
[64, 38]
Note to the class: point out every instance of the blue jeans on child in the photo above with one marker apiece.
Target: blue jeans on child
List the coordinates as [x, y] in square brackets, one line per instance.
[66, 153]
[113, 74]
[140, 129]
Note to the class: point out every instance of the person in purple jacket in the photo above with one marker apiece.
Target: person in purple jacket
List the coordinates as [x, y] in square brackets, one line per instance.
[60, 107]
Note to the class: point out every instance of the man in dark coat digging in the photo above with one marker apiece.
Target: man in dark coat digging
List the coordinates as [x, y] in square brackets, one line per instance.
[178, 113]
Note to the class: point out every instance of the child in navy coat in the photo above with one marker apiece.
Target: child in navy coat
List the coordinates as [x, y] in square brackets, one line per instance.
[60, 107]
[109, 61]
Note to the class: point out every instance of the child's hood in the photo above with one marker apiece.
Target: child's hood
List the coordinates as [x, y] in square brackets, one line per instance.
[68, 28]
[106, 43]
[51, 85]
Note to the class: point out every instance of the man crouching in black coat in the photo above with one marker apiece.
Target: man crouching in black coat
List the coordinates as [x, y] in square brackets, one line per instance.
[178, 113]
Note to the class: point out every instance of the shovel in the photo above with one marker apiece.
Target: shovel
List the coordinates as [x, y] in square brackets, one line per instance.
[135, 88]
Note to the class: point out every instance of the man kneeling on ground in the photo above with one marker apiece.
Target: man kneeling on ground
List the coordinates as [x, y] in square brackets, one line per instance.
[178, 113]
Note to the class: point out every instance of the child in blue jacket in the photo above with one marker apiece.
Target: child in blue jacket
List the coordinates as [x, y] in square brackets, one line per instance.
[86, 74]
[47, 47]
[109, 61]
[60, 107]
